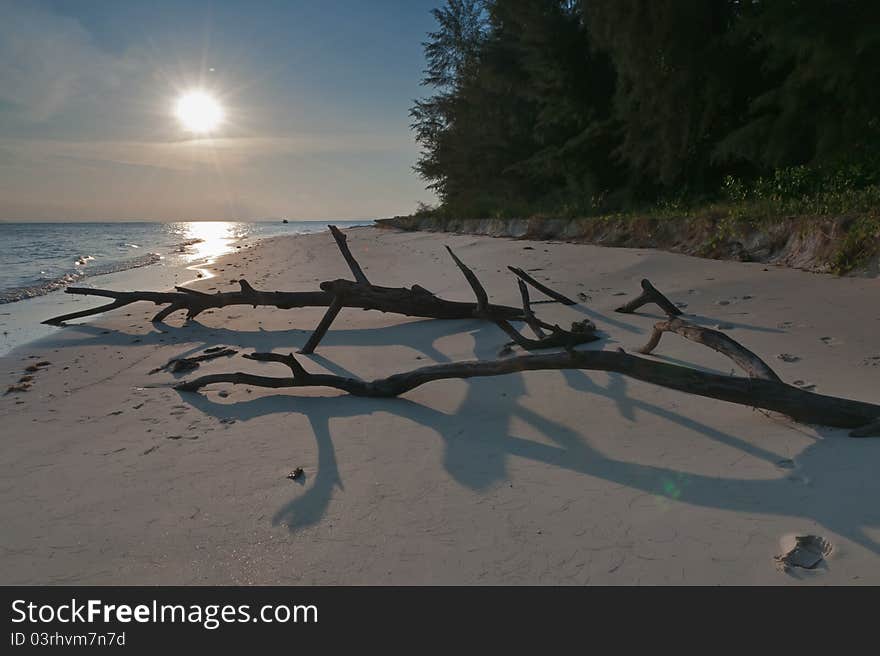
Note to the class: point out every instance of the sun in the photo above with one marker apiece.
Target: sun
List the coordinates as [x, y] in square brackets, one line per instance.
[198, 111]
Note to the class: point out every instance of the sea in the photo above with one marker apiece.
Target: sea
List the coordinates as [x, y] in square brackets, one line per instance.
[38, 260]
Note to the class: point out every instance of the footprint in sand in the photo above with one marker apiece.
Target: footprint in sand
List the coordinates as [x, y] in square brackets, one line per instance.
[830, 341]
[807, 387]
[788, 357]
[803, 551]
[873, 361]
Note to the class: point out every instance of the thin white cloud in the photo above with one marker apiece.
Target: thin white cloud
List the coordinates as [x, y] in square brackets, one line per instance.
[54, 75]
[46, 60]
[186, 155]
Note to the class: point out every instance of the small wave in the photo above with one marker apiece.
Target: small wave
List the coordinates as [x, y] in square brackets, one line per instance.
[190, 242]
[44, 287]
[82, 260]
[184, 246]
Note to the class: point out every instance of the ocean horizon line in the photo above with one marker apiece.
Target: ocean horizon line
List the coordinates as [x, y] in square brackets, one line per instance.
[265, 220]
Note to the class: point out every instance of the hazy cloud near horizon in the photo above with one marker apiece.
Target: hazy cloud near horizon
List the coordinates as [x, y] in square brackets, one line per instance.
[86, 129]
[46, 60]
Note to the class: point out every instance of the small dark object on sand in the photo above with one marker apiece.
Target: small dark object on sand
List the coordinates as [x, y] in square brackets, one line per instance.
[296, 474]
[18, 387]
[807, 553]
[177, 365]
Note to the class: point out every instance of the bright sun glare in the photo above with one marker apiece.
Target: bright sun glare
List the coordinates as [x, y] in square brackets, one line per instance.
[198, 112]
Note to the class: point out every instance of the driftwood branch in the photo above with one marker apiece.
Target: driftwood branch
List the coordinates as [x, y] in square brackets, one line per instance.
[342, 243]
[581, 332]
[754, 366]
[360, 293]
[650, 294]
[322, 328]
[522, 275]
[762, 389]
[775, 396]
[176, 365]
[530, 319]
[482, 310]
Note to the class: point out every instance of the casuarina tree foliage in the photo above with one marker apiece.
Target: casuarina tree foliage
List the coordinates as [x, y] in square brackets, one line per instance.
[580, 106]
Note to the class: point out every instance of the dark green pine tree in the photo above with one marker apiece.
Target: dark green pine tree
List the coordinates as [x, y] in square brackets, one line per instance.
[574, 106]
[452, 54]
[682, 82]
[820, 104]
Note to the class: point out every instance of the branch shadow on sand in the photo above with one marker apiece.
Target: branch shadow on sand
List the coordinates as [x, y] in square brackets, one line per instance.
[478, 442]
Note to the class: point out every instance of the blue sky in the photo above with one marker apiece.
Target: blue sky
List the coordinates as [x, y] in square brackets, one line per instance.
[316, 96]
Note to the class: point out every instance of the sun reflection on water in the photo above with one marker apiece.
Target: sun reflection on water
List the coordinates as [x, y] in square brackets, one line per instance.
[202, 242]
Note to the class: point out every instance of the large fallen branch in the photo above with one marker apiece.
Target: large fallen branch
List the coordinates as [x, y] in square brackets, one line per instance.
[762, 389]
[412, 301]
[415, 301]
[794, 402]
[754, 366]
[650, 294]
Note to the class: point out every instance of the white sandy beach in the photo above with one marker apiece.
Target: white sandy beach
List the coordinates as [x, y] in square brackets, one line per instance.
[535, 478]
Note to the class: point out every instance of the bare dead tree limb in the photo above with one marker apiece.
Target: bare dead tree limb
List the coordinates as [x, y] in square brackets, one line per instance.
[415, 301]
[580, 333]
[650, 294]
[323, 326]
[121, 302]
[476, 286]
[799, 404]
[176, 365]
[342, 243]
[540, 286]
[754, 366]
[530, 318]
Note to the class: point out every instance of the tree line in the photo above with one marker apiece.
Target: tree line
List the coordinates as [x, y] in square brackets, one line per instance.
[578, 107]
